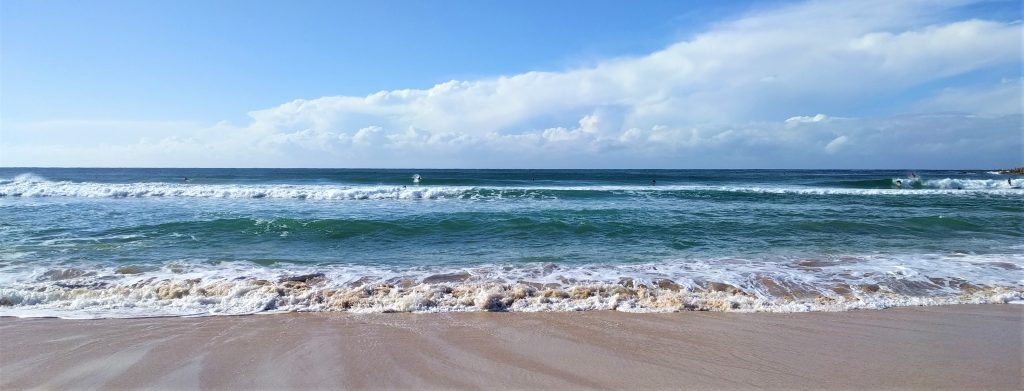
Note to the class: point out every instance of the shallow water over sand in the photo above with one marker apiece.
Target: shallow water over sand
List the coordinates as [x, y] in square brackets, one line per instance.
[144, 242]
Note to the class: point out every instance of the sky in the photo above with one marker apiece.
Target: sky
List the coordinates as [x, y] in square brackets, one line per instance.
[524, 84]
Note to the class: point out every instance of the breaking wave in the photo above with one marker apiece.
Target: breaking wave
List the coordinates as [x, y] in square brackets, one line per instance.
[28, 185]
[721, 284]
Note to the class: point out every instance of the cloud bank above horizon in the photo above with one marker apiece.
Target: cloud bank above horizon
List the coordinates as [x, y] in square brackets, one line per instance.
[847, 84]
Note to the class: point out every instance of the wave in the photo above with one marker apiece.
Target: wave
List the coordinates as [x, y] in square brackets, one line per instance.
[242, 229]
[156, 189]
[884, 183]
[920, 183]
[28, 185]
[721, 284]
[589, 226]
[23, 178]
[972, 184]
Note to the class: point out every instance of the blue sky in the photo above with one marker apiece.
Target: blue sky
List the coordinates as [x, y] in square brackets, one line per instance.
[511, 84]
[203, 60]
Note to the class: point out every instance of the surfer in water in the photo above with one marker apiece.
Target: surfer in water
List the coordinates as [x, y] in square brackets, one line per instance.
[654, 182]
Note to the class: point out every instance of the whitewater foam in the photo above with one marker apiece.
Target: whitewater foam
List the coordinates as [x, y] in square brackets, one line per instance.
[722, 284]
[28, 185]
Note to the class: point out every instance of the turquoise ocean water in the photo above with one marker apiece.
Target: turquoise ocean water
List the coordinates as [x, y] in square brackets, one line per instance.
[148, 242]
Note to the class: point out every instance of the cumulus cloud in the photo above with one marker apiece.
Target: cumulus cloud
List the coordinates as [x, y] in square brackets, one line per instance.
[735, 95]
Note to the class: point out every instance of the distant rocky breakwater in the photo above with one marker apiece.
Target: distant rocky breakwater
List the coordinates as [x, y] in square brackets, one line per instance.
[1017, 171]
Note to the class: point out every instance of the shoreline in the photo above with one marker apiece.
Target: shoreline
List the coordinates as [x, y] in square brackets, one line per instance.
[976, 346]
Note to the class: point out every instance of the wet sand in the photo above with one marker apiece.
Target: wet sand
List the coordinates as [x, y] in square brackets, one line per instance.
[953, 347]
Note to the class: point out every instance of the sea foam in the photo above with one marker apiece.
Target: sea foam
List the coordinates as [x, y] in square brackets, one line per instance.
[725, 284]
[28, 185]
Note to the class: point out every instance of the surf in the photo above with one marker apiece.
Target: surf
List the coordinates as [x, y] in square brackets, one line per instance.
[27, 185]
[757, 285]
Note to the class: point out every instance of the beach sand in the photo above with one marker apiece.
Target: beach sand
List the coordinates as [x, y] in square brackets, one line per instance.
[955, 347]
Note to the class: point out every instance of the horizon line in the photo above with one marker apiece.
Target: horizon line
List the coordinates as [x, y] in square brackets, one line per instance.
[494, 168]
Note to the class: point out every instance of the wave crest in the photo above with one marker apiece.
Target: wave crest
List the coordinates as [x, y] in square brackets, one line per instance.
[709, 285]
[196, 297]
[28, 185]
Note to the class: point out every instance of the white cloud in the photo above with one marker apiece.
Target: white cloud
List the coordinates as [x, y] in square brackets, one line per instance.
[715, 77]
[369, 135]
[796, 120]
[1002, 98]
[950, 140]
[732, 95]
[836, 143]
[941, 50]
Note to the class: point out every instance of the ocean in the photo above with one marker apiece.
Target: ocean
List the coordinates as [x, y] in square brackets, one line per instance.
[97, 243]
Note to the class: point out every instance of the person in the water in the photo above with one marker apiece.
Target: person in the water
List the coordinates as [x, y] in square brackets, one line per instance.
[654, 182]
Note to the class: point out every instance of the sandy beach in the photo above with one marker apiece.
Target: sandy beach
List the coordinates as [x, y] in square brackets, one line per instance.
[952, 347]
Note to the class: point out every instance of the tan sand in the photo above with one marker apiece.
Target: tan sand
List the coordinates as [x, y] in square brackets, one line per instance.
[958, 347]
